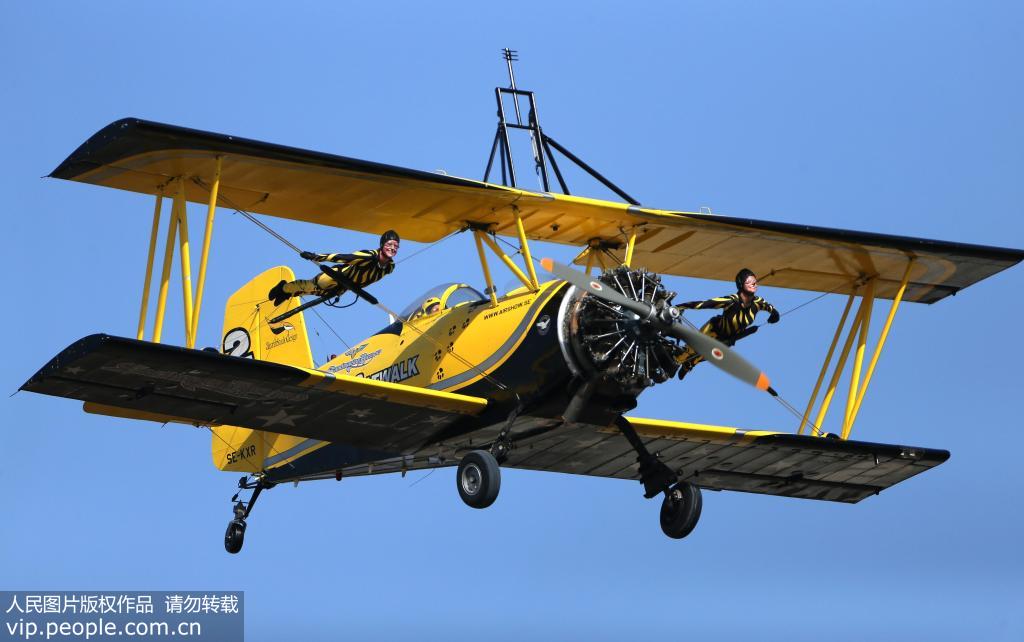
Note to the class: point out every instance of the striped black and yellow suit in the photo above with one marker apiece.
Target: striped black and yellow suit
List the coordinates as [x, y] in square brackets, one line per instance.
[362, 268]
[727, 327]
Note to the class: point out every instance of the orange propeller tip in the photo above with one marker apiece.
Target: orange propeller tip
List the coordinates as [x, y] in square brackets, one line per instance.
[547, 264]
[763, 383]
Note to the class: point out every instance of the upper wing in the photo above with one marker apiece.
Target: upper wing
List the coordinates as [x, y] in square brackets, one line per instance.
[722, 458]
[162, 382]
[143, 156]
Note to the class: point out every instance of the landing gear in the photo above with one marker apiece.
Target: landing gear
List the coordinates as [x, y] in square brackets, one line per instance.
[478, 479]
[654, 474]
[680, 510]
[234, 536]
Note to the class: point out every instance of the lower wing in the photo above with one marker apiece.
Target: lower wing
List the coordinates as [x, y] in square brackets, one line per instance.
[721, 458]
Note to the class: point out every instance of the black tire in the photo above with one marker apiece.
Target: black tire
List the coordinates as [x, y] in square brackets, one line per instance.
[478, 479]
[680, 510]
[234, 536]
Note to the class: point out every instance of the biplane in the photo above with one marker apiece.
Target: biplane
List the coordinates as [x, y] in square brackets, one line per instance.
[544, 377]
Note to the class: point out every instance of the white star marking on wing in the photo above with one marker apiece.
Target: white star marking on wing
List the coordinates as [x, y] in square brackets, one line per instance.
[434, 420]
[74, 370]
[361, 413]
[281, 417]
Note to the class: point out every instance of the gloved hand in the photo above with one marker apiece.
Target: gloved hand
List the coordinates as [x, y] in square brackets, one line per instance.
[311, 256]
[774, 317]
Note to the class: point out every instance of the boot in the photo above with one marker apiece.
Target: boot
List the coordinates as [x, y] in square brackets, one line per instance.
[277, 294]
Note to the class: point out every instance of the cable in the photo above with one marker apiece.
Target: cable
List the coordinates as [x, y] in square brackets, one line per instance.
[424, 249]
[796, 413]
[337, 300]
[468, 364]
[329, 327]
[424, 477]
[263, 436]
[472, 366]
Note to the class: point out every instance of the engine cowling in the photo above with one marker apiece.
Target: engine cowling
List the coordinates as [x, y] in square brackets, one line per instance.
[602, 340]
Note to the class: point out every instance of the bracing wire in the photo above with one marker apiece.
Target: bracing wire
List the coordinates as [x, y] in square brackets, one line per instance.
[484, 375]
[470, 365]
[238, 210]
[331, 328]
[796, 413]
[423, 477]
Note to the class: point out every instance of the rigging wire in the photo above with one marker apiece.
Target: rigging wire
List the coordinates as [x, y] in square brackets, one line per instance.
[263, 436]
[331, 328]
[799, 415]
[420, 251]
[437, 242]
[490, 378]
[484, 375]
[424, 477]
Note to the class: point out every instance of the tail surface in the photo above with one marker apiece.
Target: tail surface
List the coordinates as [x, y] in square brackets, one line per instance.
[248, 334]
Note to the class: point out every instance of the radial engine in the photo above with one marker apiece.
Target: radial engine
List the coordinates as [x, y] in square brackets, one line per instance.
[604, 341]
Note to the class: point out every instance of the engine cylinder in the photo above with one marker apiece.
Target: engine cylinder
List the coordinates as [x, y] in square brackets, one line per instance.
[600, 339]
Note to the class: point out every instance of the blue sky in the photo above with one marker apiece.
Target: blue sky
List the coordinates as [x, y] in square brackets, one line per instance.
[901, 118]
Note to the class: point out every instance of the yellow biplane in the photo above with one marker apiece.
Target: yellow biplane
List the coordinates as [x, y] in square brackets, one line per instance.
[539, 378]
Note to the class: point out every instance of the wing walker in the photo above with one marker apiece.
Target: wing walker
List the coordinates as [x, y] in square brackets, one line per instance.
[543, 377]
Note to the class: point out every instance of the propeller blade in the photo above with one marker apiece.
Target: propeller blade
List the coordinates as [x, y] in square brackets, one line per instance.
[598, 289]
[713, 350]
[716, 352]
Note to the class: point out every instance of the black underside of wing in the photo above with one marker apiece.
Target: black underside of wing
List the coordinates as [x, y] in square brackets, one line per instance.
[209, 388]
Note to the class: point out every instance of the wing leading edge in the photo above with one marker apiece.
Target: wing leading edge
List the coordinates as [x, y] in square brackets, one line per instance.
[288, 182]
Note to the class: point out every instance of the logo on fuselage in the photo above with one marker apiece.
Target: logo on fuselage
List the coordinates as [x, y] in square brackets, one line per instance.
[357, 362]
[397, 372]
[282, 328]
[288, 338]
[543, 324]
[356, 350]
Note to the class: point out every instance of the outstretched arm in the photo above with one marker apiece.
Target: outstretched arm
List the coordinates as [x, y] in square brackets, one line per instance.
[764, 306]
[356, 258]
[716, 303]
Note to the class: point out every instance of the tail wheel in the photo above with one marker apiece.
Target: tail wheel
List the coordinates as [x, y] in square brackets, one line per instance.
[478, 479]
[680, 510]
[234, 536]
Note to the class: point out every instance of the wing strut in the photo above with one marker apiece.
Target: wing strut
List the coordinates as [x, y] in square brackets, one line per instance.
[859, 331]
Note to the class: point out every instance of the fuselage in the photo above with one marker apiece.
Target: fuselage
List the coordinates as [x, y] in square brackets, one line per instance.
[505, 353]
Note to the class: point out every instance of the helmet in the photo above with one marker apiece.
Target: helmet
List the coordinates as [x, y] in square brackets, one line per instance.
[742, 276]
[390, 235]
[429, 303]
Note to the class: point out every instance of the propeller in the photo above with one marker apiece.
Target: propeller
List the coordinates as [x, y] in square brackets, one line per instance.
[666, 319]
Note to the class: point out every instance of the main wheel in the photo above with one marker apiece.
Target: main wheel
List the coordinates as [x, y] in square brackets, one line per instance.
[478, 479]
[234, 537]
[680, 510]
